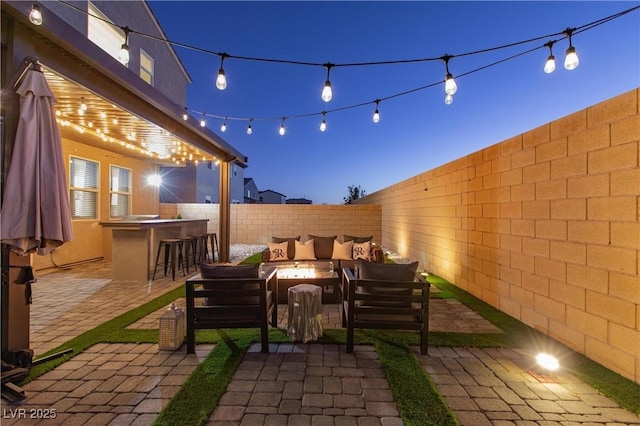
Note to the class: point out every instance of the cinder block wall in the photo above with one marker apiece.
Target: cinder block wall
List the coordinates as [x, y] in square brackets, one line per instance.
[257, 223]
[544, 226]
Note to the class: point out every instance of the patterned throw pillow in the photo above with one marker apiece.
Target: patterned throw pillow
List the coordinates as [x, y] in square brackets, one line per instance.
[305, 251]
[342, 251]
[362, 250]
[278, 251]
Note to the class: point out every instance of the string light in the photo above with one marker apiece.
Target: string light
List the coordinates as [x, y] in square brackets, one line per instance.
[282, 130]
[202, 121]
[550, 65]
[376, 113]
[35, 16]
[185, 115]
[571, 60]
[221, 80]
[123, 57]
[448, 99]
[223, 128]
[450, 86]
[83, 106]
[249, 130]
[327, 93]
[323, 125]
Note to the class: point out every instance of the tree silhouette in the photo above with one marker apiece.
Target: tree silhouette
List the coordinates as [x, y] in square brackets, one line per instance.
[355, 192]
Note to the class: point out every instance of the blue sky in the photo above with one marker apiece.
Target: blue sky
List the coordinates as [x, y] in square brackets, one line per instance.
[416, 132]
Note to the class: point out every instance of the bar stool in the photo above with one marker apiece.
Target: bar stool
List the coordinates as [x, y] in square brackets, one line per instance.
[190, 248]
[203, 243]
[171, 246]
[214, 245]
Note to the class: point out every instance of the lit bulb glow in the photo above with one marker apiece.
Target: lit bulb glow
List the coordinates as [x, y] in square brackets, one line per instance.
[550, 65]
[450, 86]
[123, 56]
[323, 126]
[448, 99]
[282, 131]
[547, 361]
[221, 80]
[223, 128]
[327, 94]
[154, 180]
[35, 16]
[203, 123]
[185, 116]
[571, 61]
[249, 129]
[376, 116]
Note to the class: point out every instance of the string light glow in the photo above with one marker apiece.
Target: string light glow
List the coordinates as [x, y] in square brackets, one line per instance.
[221, 79]
[327, 93]
[323, 124]
[376, 113]
[571, 61]
[123, 56]
[550, 65]
[35, 16]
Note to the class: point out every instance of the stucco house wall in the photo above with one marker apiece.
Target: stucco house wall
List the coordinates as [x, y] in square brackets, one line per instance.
[544, 226]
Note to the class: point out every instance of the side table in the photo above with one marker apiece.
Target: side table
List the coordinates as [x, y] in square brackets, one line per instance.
[305, 313]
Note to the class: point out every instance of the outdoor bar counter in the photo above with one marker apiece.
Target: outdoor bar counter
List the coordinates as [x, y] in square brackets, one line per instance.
[135, 243]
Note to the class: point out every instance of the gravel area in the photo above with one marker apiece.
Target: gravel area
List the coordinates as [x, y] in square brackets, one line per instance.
[239, 252]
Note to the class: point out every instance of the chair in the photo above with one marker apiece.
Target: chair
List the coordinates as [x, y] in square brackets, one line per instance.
[172, 256]
[190, 250]
[231, 297]
[389, 304]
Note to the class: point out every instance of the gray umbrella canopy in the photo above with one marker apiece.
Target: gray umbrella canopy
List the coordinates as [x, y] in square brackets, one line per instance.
[35, 215]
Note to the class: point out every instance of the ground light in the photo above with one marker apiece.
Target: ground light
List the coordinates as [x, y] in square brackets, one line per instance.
[548, 362]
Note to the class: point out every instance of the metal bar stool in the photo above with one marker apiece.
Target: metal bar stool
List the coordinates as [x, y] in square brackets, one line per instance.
[171, 246]
[214, 245]
[190, 245]
[203, 244]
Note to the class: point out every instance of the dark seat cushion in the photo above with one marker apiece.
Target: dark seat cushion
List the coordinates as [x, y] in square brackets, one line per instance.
[230, 272]
[291, 248]
[394, 272]
[390, 272]
[323, 246]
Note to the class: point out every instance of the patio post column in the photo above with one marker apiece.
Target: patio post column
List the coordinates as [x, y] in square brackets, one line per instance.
[224, 220]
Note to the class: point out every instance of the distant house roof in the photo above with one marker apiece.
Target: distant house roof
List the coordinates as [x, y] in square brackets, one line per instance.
[272, 191]
[247, 180]
[298, 201]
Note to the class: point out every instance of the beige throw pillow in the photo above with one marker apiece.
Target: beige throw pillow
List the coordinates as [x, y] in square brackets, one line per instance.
[362, 250]
[342, 251]
[278, 251]
[305, 251]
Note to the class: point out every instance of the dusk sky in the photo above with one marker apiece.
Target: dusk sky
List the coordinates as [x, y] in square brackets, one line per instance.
[417, 131]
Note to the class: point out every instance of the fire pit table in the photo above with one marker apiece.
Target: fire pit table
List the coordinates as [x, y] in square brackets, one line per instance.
[321, 274]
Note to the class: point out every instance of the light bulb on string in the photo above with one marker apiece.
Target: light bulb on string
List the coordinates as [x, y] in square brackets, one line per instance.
[571, 60]
[550, 65]
[323, 124]
[83, 106]
[450, 86]
[221, 80]
[185, 115]
[35, 16]
[327, 93]
[249, 129]
[223, 128]
[376, 113]
[282, 130]
[123, 56]
[202, 121]
[448, 99]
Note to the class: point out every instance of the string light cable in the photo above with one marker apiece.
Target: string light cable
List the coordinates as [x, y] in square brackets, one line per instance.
[327, 95]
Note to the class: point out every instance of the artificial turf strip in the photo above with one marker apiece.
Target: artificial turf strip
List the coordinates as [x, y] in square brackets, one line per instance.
[199, 395]
[418, 400]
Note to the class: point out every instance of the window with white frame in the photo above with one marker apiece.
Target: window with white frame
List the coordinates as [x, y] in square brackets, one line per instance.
[146, 67]
[119, 192]
[107, 36]
[83, 188]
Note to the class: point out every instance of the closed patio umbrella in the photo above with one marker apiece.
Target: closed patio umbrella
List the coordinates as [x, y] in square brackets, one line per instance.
[35, 215]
